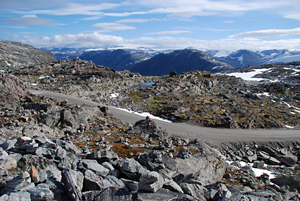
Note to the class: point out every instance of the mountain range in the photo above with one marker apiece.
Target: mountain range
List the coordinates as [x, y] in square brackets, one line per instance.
[146, 61]
[143, 58]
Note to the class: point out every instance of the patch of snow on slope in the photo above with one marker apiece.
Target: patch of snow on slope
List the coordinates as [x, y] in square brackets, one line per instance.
[285, 58]
[223, 53]
[145, 114]
[258, 172]
[114, 95]
[249, 76]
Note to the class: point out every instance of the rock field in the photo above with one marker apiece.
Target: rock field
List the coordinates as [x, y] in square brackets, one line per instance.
[51, 150]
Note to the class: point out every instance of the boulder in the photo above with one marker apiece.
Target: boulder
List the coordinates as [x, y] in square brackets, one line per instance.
[103, 156]
[132, 186]
[19, 196]
[68, 146]
[196, 190]
[10, 162]
[206, 168]
[162, 194]
[73, 181]
[19, 183]
[8, 144]
[150, 181]
[112, 181]
[218, 192]
[155, 160]
[41, 163]
[92, 181]
[34, 175]
[70, 161]
[289, 160]
[172, 186]
[94, 166]
[132, 169]
[41, 192]
[108, 194]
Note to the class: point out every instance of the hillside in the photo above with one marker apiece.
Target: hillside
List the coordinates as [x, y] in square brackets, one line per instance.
[13, 54]
[179, 61]
[120, 59]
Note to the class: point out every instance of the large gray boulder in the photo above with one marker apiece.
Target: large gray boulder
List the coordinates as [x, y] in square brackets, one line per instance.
[103, 156]
[41, 192]
[151, 181]
[19, 196]
[207, 167]
[94, 166]
[108, 194]
[73, 181]
[92, 181]
[196, 190]
[19, 183]
[132, 169]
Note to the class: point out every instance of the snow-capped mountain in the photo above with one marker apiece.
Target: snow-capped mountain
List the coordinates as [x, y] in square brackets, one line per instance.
[119, 58]
[244, 58]
[65, 53]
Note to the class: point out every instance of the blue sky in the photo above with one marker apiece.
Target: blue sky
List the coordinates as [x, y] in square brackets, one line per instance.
[156, 24]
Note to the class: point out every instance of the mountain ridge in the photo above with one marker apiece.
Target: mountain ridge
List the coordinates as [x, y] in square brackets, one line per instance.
[14, 54]
[128, 57]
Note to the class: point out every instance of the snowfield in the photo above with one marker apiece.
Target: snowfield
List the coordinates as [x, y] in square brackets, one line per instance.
[249, 76]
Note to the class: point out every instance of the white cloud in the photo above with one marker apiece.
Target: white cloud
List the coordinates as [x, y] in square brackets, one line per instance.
[112, 26]
[169, 32]
[269, 33]
[293, 16]
[29, 16]
[141, 20]
[97, 40]
[27, 20]
[74, 41]
[229, 22]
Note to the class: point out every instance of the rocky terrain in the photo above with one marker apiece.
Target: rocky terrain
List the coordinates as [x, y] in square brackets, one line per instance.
[16, 55]
[51, 150]
[197, 97]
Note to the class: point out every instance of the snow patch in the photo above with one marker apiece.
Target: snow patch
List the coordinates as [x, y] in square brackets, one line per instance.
[258, 172]
[263, 94]
[287, 126]
[145, 114]
[249, 76]
[114, 95]
[8, 64]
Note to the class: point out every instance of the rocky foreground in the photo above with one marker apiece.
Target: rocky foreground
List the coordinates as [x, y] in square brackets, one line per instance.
[196, 97]
[53, 150]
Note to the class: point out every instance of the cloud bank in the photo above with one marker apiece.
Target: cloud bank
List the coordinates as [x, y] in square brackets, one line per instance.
[97, 40]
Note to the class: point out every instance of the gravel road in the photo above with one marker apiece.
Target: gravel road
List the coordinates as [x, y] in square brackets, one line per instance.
[214, 136]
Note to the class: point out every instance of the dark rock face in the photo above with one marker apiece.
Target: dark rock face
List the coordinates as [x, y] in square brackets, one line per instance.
[15, 54]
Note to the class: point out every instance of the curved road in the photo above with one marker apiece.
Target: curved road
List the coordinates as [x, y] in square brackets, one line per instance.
[210, 135]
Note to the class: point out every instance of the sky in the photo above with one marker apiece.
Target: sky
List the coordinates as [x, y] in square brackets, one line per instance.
[155, 24]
